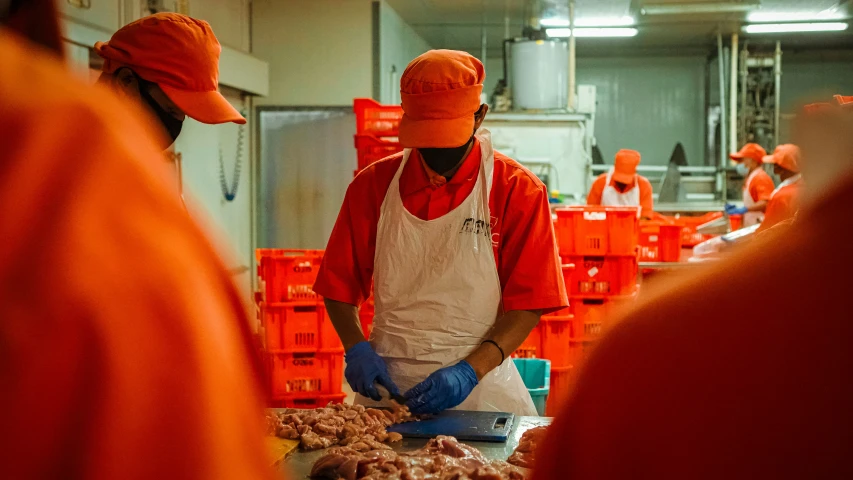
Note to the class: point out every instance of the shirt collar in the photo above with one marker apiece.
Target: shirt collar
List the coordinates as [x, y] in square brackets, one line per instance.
[417, 175]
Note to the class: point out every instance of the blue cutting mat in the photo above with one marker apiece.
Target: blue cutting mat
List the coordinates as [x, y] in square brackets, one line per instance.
[462, 424]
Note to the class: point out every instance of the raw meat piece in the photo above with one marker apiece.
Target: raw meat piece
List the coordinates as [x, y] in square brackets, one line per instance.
[338, 424]
[524, 454]
[443, 458]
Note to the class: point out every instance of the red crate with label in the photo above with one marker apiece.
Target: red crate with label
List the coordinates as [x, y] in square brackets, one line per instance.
[305, 375]
[371, 149]
[298, 327]
[309, 402]
[597, 231]
[287, 275]
[660, 242]
[601, 276]
[373, 118]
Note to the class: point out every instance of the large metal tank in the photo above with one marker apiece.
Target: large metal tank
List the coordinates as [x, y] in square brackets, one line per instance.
[539, 74]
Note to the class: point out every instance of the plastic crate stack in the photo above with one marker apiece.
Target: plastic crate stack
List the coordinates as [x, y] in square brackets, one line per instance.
[598, 249]
[302, 352]
[377, 128]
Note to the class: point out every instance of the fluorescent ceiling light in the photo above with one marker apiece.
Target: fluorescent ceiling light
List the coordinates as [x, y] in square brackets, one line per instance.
[795, 27]
[759, 17]
[704, 7]
[591, 32]
[624, 21]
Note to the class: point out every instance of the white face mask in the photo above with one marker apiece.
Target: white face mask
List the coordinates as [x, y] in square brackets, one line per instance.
[742, 169]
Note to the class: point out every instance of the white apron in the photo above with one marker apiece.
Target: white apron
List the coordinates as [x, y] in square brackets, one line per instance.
[611, 197]
[751, 218]
[438, 293]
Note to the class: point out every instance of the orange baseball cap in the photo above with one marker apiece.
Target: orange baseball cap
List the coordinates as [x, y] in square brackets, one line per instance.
[786, 156]
[178, 53]
[440, 92]
[625, 166]
[750, 150]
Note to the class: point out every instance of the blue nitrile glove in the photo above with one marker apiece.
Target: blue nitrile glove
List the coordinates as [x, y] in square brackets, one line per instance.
[444, 388]
[364, 369]
[733, 210]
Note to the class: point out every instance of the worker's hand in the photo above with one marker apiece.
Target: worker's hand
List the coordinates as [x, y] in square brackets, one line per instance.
[733, 210]
[445, 388]
[364, 368]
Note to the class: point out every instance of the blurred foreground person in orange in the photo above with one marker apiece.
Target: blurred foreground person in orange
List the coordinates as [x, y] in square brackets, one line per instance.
[698, 381]
[120, 356]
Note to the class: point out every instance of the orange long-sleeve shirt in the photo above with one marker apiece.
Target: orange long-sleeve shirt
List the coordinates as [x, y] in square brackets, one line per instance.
[646, 199]
[124, 344]
[701, 381]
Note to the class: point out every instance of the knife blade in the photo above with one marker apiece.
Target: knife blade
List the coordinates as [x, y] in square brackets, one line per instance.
[385, 393]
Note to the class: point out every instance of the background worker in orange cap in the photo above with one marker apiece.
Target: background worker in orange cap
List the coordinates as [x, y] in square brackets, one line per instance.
[699, 381]
[170, 63]
[457, 241]
[622, 186]
[757, 186]
[121, 356]
[784, 201]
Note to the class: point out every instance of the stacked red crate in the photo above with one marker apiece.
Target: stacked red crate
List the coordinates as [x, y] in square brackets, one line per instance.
[598, 247]
[304, 357]
[377, 128]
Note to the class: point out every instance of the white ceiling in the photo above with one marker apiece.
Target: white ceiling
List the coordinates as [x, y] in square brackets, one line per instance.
[458, 24]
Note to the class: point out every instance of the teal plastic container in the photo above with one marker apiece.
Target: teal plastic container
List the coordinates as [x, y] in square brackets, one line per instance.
[536, 373]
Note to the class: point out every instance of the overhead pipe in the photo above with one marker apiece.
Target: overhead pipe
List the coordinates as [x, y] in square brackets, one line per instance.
[778, 72]
[733, 96]
[744, 74]
[506, 19]
[721, 67]
[483, 37]
[572, 52]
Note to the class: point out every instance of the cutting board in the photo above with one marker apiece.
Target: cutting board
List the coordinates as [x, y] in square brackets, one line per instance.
[462, 424]
[279, 448]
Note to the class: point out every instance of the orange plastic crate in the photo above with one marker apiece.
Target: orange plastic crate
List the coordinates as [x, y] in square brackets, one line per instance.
[305, 375]
[309, 402]
[592, 315]
[298, 327]
[594, 230]
[601, 276]
[287, 275]
[660, 242]
[689, 236]
[562, 381]
[373, 118]
[371, 149]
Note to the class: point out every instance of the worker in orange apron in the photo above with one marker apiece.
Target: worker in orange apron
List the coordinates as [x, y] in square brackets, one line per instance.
[457, 242]
[757, 185]
[622, 186]
[125, 351]
[784, 201]
[700, 381]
